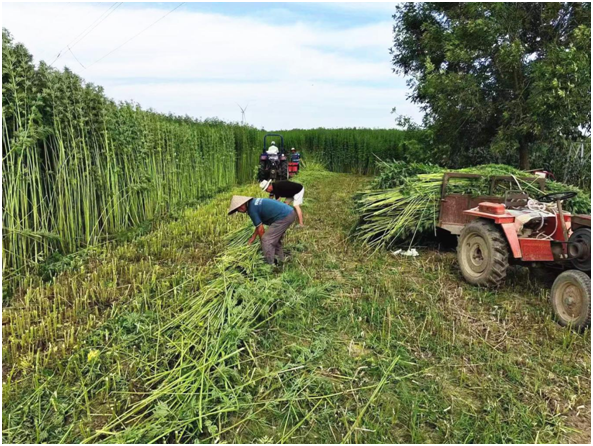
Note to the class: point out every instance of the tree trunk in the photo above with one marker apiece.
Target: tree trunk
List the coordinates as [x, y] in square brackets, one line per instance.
[523, 156]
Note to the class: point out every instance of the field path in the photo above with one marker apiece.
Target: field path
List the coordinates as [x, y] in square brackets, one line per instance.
[360, 347]
[471, 365]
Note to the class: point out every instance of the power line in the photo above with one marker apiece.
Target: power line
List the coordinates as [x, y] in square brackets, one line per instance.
[109, 12]
[70, 49]
[136, 35]
[92, 23]
[86, 31]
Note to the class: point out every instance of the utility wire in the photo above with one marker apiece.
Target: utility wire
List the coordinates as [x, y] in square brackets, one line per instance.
[86, 31]
[74, 55]
[108, 13]
[136, 35]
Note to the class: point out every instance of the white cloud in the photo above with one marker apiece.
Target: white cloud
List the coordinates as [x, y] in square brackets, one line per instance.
[293, 74]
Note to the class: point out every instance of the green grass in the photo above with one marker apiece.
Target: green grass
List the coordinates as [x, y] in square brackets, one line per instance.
[340, 346]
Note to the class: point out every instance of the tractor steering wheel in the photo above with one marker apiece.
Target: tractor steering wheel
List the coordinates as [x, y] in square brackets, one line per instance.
[557, 196]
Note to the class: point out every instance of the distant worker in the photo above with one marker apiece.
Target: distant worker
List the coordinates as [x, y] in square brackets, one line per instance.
[273, 150]
[264, 211]
[295, 156]
[293, 193]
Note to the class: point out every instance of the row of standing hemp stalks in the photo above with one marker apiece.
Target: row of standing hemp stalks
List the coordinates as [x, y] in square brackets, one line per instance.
[78, 167]
[356, 150]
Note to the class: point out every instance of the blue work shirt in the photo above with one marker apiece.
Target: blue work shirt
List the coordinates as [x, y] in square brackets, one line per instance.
[295, 157]
[267, 211]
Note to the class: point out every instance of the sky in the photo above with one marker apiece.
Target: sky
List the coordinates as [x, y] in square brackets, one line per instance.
[293, 65]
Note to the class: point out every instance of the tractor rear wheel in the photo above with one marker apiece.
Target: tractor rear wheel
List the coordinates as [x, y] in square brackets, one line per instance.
[483, 254]
[570, 298]
[580, 244]
[261, 173]
[283, 170]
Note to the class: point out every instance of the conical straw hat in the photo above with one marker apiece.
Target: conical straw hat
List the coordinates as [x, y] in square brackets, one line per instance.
[237, 201]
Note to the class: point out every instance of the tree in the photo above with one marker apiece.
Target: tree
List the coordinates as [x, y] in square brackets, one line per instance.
[497, 78]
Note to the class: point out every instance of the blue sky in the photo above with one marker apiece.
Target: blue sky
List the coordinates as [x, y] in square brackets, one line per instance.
[295, 65]
[334, 15]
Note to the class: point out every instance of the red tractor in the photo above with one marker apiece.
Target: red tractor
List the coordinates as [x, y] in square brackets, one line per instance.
[495, 232]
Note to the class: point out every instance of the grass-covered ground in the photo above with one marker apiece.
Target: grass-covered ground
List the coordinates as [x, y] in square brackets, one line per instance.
[177, 336]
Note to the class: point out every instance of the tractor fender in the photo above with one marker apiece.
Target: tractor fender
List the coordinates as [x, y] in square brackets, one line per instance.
[511, 233]
[507, 223]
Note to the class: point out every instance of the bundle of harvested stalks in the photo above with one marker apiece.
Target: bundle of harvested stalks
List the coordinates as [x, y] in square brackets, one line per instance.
[410, 207]
[240, 236]
[196, 380]
[394, 173]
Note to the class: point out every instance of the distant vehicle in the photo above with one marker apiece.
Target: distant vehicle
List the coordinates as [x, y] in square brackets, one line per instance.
[273, 163]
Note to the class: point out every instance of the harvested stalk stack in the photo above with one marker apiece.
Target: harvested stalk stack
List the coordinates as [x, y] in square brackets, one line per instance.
[409, 206]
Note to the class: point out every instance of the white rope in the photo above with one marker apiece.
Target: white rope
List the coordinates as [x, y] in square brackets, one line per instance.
[544, 210]
[538, 206]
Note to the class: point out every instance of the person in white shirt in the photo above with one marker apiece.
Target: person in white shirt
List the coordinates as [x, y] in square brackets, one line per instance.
[273, 150]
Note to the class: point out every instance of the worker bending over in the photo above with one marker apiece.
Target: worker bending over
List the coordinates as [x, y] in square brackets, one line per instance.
[292, 193]
[264, 211]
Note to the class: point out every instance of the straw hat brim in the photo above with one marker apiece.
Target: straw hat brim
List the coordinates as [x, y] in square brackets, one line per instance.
[236, 202]
[264, 184]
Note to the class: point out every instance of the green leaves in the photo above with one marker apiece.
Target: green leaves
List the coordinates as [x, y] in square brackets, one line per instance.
[511, 76]
[356, 150]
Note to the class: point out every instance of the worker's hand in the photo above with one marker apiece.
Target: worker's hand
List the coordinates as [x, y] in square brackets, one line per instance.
[251, 240]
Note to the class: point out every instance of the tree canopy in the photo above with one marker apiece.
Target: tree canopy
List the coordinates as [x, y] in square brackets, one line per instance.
[506, 78]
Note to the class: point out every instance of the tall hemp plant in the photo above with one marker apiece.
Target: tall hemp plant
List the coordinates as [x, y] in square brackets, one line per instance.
[77, 167]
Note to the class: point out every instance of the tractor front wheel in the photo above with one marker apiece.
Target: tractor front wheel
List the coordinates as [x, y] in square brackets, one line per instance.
[483, 254]
[571, 299]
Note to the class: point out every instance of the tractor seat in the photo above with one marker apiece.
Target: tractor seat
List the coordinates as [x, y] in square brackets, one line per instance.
[515, 199]
[524, 216]
[516, 204]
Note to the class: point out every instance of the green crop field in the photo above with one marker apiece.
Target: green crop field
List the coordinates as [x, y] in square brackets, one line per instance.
[180, 336]
[134, 311]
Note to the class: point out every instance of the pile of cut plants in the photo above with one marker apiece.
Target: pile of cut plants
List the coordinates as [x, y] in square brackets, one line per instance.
[166, 371]
[402, 203]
